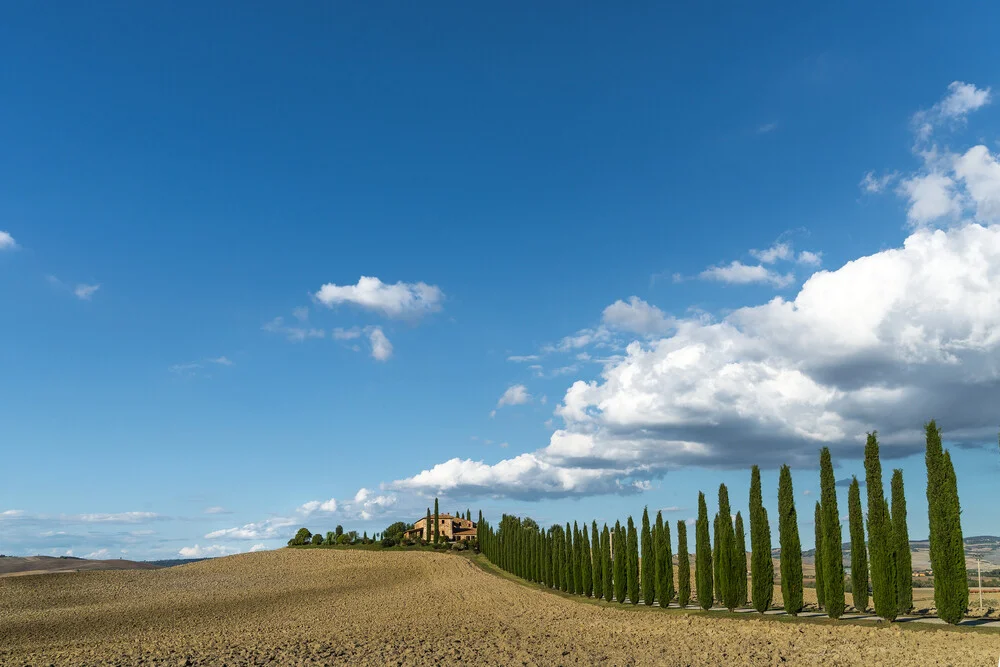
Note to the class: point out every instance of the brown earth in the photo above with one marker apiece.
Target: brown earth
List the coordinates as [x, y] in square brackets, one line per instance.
[15, 566]
[363, 607]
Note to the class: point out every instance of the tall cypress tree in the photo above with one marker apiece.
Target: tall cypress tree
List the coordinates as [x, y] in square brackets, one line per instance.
[833, 567]
[729, 567]
[703, 556]
[904, 560]
[859, 553]
[947, 547]
[598, 558]
[578, 558]
[437, 522]
[606, 563]
[683, 566]
[659, 581]
[667, 590]
[790, 544]
[716, 561]
[619, 562]
[571, 562]
[879, 535]
[632, 563]
[761, 565]
[648, 577]
[741, 562]
[427, 525]
[587, 564]
[818, 560]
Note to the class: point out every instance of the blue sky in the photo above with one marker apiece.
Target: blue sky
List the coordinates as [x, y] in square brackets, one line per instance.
[256, 262]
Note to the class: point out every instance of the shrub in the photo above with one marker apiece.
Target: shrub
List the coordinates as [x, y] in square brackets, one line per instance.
[317, 539]
[303, 536]
[459, 546]
[388, 542]
[344, 539]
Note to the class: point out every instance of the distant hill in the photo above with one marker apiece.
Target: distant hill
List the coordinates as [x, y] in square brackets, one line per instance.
[986, 547]
[172, 562]
[12, 566]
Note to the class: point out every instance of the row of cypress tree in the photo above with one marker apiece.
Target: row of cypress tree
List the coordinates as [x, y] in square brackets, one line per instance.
[629, 565]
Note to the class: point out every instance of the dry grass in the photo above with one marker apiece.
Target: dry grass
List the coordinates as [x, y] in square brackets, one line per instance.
[361, 607]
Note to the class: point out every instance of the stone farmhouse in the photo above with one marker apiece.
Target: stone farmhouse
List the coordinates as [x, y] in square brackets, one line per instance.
[451, 528]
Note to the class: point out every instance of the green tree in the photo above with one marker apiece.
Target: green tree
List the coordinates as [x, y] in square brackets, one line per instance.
[683, 566]
[571, 560]
[437, 522]
[339, 530]
[598, 557]
[587, 564]
[879, 535]
[728, 559]
[619, 562]
[660, 547]
[632, 562]
[330, 537]
[668, 565]
[761, 565]
[741, 562]
[648, 576]
[790, 544]
[302, 537]
[703, 556]
[716, 560]
[904, 560]
[947, 546]
[606, 564]
[859, 552]
[833, 564]
[819, 561]
[317, 538]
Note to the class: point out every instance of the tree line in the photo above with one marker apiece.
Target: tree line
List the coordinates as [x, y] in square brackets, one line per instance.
[633, 565]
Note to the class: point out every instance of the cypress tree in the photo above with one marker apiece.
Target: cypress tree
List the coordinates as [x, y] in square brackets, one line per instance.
[947, 546]
[879, 535]
[904, 560]
[632, 563]
[577, 559]
[427, 525]
[648, 578]
[668, 564]
[656, 533]
[761, 565]
[606, 564]
[598, 557]
[683, 566]
[859, 553]
[790, 544]
[559, 557]
[437, 522]
[571, 562]
[741, 562]
[728, 564]
[703, 556]
[818, 559]
[833, 565]
[716, 561]
[588, 564]
[619, 562]
[664, 563]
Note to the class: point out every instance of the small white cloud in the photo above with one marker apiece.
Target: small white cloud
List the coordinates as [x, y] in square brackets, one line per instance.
[399, 301]
[216, 510]
[807, 492]
[294, 334]
[523, 357]
[255, 531]
[504, 444]
[773, 254]
[207, 551]
[222, 361]
[381, 347]
[84, 292]
[515, 395]
[120, 517]
[962, 99]
[100, 554]
[932, 196]
[874, 185]
[809, 258]
[184, 369]
[738, 273]
[673, 508]
[346, 334]
[7, 241]
[257, 547]
[313, 506]
[635, 316]
[767, 128]
[301, 313]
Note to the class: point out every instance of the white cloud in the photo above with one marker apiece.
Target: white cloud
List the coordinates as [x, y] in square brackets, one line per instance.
[399, 301]
[381, 347]
[100, 554]
[779, 251]
[979, 171]
[294, 334]
[738, 273]
[257, 547]
[84, 292]
[366, 506]
[931, 196]
[301, 313]
[346, 334]
[313, 506]
[515, 395]
[635, 316]
[582, 338]
[216, 510]
[120, 517]
[7, 241]
[523, 357]
[255, 531]
[207, 551]
[767, 128]
[962, 99]
[221, 361]
[809, 258]
[873, 184]
[885, 342]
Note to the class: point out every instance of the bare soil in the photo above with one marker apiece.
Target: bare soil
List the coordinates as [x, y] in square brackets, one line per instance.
[363, 607]
[16, 566]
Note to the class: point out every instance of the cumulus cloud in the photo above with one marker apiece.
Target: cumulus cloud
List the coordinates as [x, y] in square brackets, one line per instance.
[962, 99]
[398, 301]
[635, 316]
[265, 529]
[207, 551]
[776, 252]
[366, 505]
[885, 342]
[515, 395]
[100, 554]
[7, 241]
[582, 338]
[313, 506]
[85, 292]
[381, 347]
[874, 185]
[257, 547]
[519, 358]
[738, 273]
[810, 258]
[346, 334]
